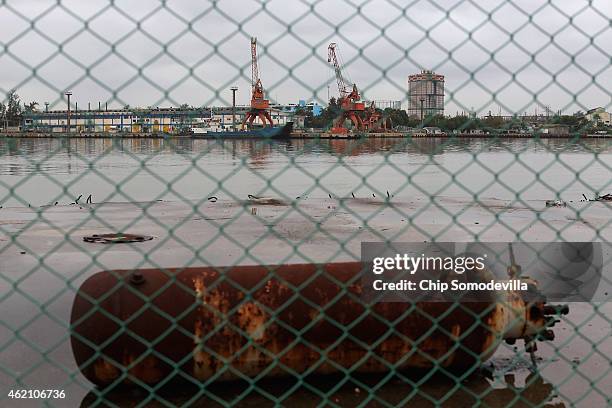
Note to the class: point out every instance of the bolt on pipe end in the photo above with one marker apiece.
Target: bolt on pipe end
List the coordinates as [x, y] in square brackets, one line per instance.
[555, 310]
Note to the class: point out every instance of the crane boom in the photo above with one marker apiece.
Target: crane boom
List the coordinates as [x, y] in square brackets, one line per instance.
[332, 58]
[257, 91]
[259, 105]
[254, 64]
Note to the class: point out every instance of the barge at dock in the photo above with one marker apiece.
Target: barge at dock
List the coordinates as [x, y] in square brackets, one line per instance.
[276, 132]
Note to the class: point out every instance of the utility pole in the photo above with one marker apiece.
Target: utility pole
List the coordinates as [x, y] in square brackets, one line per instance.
[68, 94]
[422, 112]
[234, 89]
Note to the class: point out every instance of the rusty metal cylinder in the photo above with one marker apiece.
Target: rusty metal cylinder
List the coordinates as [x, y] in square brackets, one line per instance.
[213, 323]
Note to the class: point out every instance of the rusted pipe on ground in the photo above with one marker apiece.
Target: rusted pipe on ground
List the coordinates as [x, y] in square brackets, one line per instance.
[128, 325]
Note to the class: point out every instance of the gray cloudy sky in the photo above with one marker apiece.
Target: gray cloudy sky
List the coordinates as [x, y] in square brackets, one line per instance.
[557, 50]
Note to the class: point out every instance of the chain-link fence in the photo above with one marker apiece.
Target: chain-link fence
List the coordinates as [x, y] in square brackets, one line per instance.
[151, 254]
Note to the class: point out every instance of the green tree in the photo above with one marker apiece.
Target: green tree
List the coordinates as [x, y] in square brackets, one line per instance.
[493, 122]
[301, 111]
[13, 111]
[438, 121]
[461, 123]
[399, 117]
[3, 117]
[327, 116]
[30, 107]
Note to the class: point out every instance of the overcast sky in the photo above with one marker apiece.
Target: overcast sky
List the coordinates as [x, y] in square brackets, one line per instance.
[558, 50]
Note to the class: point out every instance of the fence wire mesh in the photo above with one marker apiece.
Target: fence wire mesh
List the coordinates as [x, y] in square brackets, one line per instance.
[521, 156]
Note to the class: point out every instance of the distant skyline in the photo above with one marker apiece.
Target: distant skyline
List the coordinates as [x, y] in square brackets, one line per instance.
[556, 49]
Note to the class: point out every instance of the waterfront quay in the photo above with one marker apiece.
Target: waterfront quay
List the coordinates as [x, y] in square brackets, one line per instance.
[301, 135]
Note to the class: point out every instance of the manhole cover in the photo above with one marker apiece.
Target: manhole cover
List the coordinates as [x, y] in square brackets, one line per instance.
[116, 238]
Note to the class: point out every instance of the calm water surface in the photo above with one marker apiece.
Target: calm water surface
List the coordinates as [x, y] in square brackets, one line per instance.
[42, 171]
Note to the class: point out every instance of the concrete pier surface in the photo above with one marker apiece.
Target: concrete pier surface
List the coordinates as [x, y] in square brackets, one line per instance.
[44, 255]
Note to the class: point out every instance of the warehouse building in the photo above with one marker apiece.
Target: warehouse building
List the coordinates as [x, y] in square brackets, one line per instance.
[155, 120]
[313, 107]
[599, 116]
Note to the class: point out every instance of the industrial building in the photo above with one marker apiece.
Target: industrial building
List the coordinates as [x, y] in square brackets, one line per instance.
[313, 107]
[425, 94]
[599, 116]
[387, 104]
[154, 120]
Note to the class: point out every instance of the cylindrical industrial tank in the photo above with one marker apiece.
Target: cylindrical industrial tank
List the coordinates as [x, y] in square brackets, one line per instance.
[221, 324]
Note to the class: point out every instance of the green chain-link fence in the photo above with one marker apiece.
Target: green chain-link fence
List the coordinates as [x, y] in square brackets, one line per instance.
[204, 307]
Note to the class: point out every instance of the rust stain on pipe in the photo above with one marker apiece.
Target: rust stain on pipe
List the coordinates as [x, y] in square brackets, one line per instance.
[205, 319]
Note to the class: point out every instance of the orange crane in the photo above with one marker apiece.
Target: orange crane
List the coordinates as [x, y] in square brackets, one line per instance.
[349, 100]
[372, 117]
[259, 105]
[375, 121]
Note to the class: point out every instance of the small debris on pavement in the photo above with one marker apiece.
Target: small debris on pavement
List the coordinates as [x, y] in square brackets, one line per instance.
[265, 201]
[606, 197]
[555, 203]
[116, 238]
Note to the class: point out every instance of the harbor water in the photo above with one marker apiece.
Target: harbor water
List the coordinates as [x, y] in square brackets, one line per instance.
[40, 172]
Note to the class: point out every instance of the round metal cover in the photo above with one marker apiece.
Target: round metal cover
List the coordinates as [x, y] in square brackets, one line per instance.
[116, 238]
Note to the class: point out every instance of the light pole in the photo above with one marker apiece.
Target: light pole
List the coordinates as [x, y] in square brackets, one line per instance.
[68, 94]
[422, 113]
[234, 89]
[47, 119]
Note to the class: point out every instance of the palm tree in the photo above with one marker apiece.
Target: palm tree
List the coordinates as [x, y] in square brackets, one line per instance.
[31, 107]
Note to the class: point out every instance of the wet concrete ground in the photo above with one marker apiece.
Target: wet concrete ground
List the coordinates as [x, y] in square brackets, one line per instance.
[49, 260]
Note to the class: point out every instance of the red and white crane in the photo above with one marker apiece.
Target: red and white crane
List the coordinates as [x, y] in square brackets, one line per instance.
[259, 105]
[349, 99]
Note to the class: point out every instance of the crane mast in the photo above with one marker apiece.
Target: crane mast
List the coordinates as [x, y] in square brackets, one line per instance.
[259, 105]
